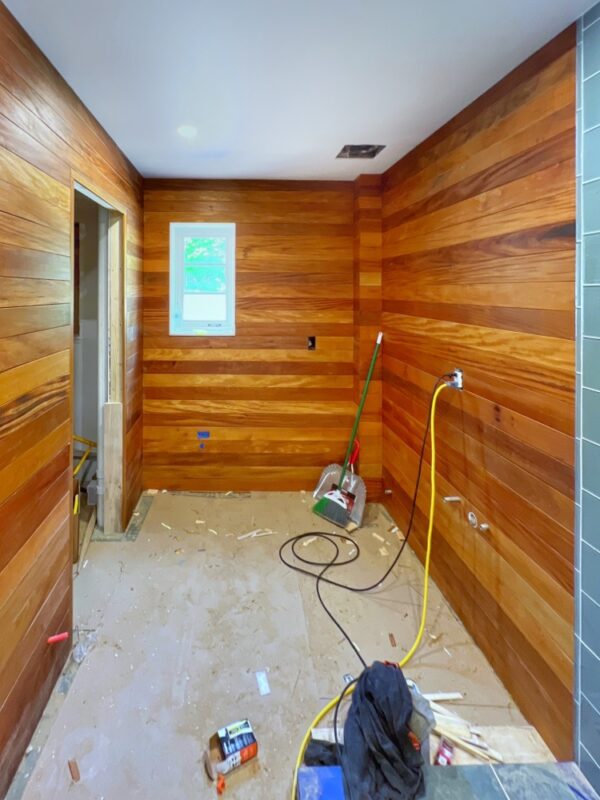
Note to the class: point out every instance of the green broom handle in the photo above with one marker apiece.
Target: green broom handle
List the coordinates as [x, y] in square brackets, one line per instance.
[360, 407]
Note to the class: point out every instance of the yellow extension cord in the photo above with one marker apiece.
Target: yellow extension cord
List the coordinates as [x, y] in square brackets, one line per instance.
[332, 703]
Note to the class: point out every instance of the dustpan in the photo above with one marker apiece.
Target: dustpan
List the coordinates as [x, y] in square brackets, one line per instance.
[352, 483]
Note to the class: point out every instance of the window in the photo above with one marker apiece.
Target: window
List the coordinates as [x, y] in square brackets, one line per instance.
[202, 279]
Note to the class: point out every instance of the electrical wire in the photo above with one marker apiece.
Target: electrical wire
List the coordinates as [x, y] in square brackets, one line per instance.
[349, 687]
[334, 704]
[330, 538]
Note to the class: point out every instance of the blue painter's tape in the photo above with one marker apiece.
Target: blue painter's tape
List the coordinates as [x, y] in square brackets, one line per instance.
[203, 434]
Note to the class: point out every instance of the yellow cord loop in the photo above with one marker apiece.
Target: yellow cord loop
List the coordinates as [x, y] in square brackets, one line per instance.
[332, 703]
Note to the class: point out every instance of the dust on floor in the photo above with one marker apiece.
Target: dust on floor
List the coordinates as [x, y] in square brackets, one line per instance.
[187, 614]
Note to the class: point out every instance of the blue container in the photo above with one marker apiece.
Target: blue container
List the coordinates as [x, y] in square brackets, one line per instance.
[320, 783]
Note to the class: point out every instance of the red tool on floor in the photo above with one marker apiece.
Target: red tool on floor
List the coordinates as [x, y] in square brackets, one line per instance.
[58, 637]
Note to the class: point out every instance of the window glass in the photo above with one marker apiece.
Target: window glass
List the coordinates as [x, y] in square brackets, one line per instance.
[202, 279]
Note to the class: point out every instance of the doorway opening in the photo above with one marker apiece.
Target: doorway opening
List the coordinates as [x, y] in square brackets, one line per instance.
[98, 317]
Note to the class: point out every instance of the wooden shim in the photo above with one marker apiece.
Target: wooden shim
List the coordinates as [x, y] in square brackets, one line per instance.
[87, 537]
[113, 467]
[441, 697]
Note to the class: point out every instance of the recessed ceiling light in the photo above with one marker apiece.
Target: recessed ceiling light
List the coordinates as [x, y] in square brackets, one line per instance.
[187, 131]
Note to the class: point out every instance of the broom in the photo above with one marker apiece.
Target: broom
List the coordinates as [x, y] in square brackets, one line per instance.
[336, 505]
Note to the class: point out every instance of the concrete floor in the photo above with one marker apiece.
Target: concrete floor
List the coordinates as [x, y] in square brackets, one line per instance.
[185, 617]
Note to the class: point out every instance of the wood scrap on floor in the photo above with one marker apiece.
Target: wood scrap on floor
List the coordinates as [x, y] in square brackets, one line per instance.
[459, 732]
[87, 538]
[494, 743]
[518, 744]
[74, 770]
[443, 697]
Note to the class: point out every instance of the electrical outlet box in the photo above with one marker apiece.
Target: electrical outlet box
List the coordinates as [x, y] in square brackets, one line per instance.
[457, 380]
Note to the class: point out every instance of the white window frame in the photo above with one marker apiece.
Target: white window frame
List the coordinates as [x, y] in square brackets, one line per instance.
[199, 327]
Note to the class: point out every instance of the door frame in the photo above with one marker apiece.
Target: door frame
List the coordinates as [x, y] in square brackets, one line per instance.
[114, 337]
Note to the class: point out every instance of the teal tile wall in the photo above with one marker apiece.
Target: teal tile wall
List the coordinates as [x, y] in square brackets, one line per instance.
[587, 520]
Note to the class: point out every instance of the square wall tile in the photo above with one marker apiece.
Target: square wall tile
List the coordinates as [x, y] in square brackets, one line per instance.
[578, 451]
[590, 519]
[591, 206]
[590, 769]
[590, 676]
[590, 420]
[590, 623]
[591, 154]
[578, 345]
[590, 363]
[590, 572]
[577, 625]
[591, 50]
[578, 405]
[578, 66]
[591, 101]
[580, 217]
[591, 16]
[590, 467]
[590, 727]
[578, 274]
[579, 143]
[591, 311]
[577, 671]
[591, 258]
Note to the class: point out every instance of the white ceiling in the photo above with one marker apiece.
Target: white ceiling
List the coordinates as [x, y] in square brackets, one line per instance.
[276, 87]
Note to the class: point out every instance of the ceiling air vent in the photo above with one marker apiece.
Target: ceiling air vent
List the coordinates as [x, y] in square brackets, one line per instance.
[360, 150]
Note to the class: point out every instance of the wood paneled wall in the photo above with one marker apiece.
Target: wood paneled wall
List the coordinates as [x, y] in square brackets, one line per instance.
[367, 322]
[46, 135]
[277, 412]
[478, 273]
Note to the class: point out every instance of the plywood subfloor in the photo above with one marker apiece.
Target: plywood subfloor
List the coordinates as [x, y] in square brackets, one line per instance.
[186, 617]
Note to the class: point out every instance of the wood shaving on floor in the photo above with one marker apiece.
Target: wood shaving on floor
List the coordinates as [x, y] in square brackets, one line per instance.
[249, 535]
